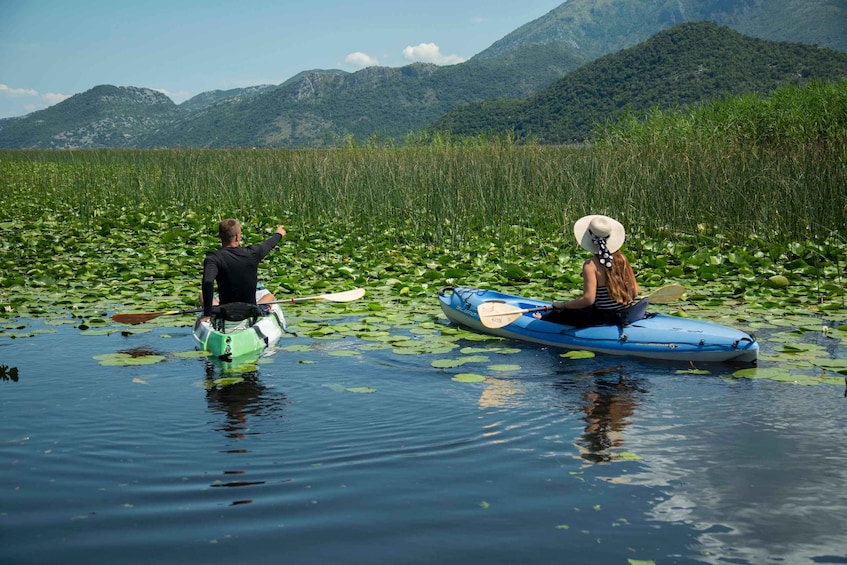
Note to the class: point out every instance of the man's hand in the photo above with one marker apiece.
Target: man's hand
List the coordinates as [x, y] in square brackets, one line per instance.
[280, 230]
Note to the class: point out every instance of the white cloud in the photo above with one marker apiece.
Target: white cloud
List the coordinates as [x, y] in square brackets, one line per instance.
[9, 91]
[49, 98]
[360, 59]
[477, 20]
[54, 98]
[28, 100]
[430, 53]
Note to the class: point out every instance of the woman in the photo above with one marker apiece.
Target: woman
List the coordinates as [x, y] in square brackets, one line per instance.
[608, 283]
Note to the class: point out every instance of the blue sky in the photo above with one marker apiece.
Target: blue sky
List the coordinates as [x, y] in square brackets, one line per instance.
[53, 49]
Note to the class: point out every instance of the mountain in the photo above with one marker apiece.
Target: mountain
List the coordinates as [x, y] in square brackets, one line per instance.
[314, 108]
[205, 99]
[105, 116]
[319, 108]
[597, 28]
[688, 64]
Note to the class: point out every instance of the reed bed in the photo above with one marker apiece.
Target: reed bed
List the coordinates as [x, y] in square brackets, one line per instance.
[673, 173]
[777, 194]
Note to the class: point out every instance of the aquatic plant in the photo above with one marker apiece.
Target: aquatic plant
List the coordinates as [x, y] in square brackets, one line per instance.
[752, 226]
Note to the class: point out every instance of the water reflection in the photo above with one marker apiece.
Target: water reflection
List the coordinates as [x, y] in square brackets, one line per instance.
[608, 401]
[241, 398]
[8, 373]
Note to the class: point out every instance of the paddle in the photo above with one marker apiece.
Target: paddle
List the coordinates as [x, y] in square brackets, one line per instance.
[140, 317]
[346, 296]
[499, 314]
[666, 294]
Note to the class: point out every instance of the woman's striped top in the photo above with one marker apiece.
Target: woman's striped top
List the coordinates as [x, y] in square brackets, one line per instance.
[602, 300]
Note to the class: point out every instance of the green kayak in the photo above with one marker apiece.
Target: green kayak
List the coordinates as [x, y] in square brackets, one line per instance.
[227, 337]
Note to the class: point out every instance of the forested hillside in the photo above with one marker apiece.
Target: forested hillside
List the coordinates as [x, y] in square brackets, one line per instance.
[688, 64]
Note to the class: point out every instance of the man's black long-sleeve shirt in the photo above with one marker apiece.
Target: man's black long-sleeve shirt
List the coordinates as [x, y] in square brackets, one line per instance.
[236, 270]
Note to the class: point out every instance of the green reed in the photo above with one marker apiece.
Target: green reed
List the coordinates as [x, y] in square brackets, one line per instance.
[747, 168]
[774, 167]
[778, 193]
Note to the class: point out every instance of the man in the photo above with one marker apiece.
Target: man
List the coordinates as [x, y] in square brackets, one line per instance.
[235, 269]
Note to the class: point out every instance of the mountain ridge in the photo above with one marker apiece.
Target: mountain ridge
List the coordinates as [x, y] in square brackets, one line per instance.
[690, 63]
[598, 29]
[320, 108]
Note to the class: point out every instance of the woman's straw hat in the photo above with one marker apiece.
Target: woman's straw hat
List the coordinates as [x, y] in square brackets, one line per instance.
[596, 226]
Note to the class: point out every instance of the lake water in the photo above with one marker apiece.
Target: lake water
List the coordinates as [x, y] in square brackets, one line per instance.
[377, 457]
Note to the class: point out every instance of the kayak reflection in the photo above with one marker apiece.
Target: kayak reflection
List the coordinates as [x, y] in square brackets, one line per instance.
[243, 400]
[240, 396]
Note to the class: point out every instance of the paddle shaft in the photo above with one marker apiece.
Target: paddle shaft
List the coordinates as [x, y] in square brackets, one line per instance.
[140, 317]
[498, 314]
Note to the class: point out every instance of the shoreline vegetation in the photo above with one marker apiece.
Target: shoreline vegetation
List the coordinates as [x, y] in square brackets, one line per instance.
[747, 188]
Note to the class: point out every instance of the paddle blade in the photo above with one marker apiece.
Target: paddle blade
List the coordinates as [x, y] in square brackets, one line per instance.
[137, 317]
[497, 314]
[347, 296]
[667, 294]
[141, 317]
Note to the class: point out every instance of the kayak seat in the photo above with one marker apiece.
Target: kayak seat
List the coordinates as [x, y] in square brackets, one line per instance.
[637, 311]
[234, 312]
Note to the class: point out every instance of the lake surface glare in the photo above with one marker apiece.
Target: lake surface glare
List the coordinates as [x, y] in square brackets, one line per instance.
[376, 457]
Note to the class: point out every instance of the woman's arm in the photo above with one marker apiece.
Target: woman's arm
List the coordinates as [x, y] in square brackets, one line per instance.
[589, 287]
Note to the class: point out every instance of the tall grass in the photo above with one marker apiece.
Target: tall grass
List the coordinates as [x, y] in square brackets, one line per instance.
[771, 168]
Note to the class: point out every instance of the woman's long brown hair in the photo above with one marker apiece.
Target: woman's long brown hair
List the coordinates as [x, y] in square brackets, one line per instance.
[621, 280]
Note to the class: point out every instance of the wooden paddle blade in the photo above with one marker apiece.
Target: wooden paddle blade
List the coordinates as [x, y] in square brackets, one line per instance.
[667, 294]
[498, 314]
[346, 296]
[138, 317]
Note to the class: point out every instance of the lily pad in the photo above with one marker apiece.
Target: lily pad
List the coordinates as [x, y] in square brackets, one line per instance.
[125, 359]
[296, 348]
[243, 367]
[776, 374]
[224, 381]
[468, 378]
[361, 390]
[835, 364]
[578, 354]
[447, 363]
[190, 354]
[105, 331]
[777, 281]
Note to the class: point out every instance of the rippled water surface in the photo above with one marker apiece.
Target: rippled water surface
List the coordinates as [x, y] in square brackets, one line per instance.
[381, 458]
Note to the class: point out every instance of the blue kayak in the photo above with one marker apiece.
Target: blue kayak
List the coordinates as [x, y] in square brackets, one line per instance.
[656, 336]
